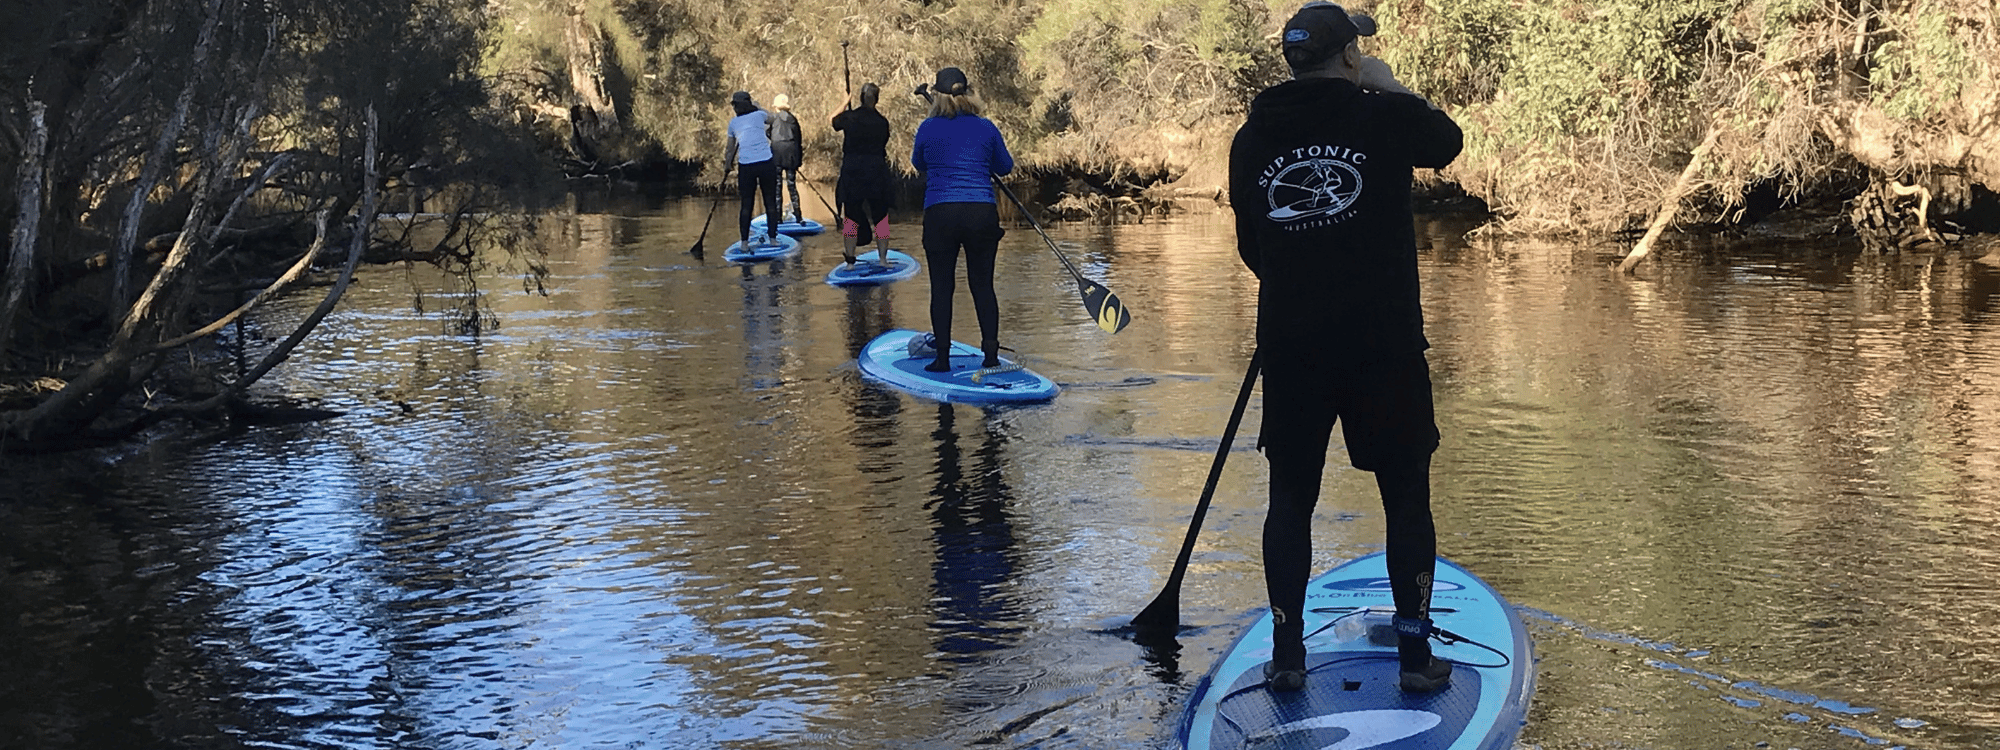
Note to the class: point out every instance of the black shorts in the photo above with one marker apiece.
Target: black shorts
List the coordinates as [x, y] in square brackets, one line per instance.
[1383, 406]
[864, 193]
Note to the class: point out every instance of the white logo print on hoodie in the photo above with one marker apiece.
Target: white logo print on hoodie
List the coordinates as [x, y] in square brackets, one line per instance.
[1312, 182]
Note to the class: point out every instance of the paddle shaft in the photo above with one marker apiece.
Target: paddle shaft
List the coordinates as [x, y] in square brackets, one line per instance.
[1163, 616]
[847, 81]
[822, 201]
[1071, 267]
[846, 76]
[1102, 304]
[723, 193]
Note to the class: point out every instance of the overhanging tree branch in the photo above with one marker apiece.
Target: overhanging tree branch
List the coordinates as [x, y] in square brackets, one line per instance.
[363, 225]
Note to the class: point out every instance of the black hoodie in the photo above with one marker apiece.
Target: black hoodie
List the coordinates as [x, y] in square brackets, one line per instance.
[1319, 178]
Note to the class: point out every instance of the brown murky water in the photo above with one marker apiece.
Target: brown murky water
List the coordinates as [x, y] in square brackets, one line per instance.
[1746, 498]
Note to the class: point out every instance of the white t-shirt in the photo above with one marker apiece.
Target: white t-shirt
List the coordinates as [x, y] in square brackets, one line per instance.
[753, 143]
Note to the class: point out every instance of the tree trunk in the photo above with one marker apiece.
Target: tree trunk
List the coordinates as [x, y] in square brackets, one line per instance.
[63, 82]
[586, 70]
[1672, 204]
[21, 251]
[123, 248]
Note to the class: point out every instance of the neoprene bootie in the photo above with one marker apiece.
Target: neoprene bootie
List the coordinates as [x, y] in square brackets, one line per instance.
[1433, 676]
[1421, 672]
[1282, 680]
[1286, 672]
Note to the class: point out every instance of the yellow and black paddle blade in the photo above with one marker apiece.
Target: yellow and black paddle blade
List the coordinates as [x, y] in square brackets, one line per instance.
[1110, 313]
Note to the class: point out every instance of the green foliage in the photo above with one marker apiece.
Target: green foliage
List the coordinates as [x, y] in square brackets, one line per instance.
[1922, 70]
[1782, 17]
[1133, 42]
[1549, 72]
[1107, 69]
[1455, 51]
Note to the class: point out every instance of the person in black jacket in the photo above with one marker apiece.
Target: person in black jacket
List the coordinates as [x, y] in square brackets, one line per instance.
[865, 188]
[787, 154]
[1319, 180]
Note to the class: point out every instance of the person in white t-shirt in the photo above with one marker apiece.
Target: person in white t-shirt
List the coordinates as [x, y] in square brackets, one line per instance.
[750, 150]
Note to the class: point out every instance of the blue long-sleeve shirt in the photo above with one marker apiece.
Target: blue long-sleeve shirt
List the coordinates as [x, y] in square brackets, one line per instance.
[957, 156]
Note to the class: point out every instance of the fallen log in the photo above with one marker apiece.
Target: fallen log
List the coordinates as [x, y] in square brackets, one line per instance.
[1671, 205]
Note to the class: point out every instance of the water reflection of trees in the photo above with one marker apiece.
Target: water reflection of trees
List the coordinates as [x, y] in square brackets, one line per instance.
[1743, 448]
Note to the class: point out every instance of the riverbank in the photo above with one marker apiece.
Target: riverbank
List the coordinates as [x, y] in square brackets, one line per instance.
[1580, 120]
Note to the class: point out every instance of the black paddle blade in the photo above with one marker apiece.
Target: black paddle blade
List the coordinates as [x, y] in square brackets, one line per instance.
[1110, 313]
[1160, 620]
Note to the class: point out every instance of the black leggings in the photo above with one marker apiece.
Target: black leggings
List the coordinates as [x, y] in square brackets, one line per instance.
[790, 178]
[1406, 504]
[750, 178]
[976, 228]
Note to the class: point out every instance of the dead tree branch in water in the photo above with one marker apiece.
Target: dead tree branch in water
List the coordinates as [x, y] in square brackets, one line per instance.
[1671, 205]
[358, 242]
[362, 229]
[1923, 196]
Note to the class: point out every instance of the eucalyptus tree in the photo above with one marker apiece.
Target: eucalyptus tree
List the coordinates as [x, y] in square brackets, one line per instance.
[171, 156]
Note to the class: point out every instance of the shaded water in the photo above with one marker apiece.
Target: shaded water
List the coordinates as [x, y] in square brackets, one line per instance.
[1743, 499]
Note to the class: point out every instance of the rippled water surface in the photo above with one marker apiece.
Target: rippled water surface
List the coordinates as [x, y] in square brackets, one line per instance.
[1745, 498]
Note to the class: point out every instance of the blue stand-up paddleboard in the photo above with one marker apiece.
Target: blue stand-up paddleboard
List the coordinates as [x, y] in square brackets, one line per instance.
[798, 228]
[887, 358]
[869, 270]
[762, 248]
[1352, 698]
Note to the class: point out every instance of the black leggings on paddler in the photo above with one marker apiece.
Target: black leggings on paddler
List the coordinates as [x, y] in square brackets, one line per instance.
[1412, 538]
[974, 227]
[751, 179]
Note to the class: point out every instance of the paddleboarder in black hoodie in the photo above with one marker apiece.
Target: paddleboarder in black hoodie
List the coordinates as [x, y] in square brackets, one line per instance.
[1319, 179]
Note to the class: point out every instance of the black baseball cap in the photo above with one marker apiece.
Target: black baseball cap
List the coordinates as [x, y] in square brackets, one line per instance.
[742, 97]
[951, 81]
[1321, 30]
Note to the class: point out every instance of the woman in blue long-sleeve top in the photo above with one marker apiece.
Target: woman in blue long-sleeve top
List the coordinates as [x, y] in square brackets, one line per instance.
[958, 152]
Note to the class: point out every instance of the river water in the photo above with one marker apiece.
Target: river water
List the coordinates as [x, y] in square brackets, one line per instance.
[1743, 500]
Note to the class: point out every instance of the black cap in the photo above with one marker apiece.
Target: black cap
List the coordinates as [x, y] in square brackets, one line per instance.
[740, 97]
[1321, 30]
[951, 81]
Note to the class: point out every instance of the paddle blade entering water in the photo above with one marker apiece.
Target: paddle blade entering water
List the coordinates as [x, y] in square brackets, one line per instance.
[1160, 621]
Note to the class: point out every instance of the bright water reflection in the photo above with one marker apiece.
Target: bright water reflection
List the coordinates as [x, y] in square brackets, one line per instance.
[1742, 499]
